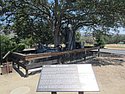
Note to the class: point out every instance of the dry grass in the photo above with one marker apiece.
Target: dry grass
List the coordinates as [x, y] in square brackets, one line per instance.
[115, 46]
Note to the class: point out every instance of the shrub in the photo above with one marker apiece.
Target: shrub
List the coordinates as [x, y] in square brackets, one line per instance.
[8, 44]
[101, 38]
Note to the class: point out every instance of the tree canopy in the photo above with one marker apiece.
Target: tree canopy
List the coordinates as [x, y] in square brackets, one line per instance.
[58, 20]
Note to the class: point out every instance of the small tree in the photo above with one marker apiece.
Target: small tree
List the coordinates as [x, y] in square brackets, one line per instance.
[28, 42]
[101, 42]
[8, 44]
[101, 38]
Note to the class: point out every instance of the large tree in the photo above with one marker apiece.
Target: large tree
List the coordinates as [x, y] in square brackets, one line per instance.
[64, 17]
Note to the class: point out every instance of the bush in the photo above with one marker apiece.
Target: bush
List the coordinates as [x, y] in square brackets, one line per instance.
[19, 47]
[101, 42]
[27, 42]
[101, 38]
[8, 44]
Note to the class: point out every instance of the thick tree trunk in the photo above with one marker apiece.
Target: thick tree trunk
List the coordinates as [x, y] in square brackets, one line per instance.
[70, 45]
[57, 29]
[71, 40]
[57, 25]
[56, 36]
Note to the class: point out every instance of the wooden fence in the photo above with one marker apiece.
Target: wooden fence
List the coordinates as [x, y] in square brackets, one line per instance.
[31, 61]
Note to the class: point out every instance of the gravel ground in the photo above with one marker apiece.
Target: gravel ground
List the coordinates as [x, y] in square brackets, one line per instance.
[110, 75]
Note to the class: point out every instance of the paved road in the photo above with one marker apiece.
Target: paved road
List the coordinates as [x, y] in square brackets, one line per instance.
[122, 52]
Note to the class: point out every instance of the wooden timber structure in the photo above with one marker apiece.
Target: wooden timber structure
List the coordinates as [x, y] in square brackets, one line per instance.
[6, 66]
[32, 61]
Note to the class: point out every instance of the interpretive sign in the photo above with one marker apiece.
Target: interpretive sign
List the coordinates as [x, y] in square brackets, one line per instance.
[67, 78]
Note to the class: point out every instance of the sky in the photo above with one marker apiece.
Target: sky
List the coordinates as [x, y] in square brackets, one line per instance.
[122, 30]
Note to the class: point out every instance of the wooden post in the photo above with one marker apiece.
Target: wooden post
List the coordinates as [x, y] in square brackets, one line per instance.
[7, 66]
[53, 93]
[26, 73]
[13, 63]
[98, 51]
[80, 92]
[62, 59]
[85, 56]
[10, 67]
[18, 66]
[3, 69]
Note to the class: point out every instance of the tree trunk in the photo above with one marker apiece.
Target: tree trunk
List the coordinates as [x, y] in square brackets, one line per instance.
[71, 40]
[57, 25]
[56, 36]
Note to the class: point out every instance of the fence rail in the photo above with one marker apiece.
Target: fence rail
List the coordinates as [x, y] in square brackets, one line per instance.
[31, 61]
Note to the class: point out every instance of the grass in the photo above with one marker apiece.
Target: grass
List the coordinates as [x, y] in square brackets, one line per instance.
[115, 46]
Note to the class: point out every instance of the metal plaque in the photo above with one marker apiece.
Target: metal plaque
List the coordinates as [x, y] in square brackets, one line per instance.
[64, 78]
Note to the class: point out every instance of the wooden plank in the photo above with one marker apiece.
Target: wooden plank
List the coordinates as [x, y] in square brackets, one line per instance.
[18, 56]
[80, 92]
[21, 59]
[34, 65]
[22, 64]
[50, 54]
[36, 69]
[53, 93]
[5, 56]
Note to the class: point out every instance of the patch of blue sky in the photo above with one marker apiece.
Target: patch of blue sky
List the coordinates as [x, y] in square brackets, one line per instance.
[2, 17]
[50, 1]
[5, 22]
[121, 30]
[2, 21]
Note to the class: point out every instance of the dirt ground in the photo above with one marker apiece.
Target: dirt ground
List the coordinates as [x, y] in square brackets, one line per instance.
[110, 75]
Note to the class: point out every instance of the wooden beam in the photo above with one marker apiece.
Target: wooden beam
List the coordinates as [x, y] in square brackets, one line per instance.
[49, 54]
[18, 55]
[53, 93]
[81, 92]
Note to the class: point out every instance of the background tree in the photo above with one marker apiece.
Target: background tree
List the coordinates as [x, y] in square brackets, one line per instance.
[101, 38]
[114, 39]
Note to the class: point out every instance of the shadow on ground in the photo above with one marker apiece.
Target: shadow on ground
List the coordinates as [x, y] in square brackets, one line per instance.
[23, 75]
[18, 71]
[98, 61]
[103, 61]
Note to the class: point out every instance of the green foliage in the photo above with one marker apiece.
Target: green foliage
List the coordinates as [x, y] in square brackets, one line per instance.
[101, 42]
[31, 29]
[44, 21]
[78, 36]
[27, 42]
[116, 38]
[101, 38]
[88, 39]
[8, 44]
[20, 47]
